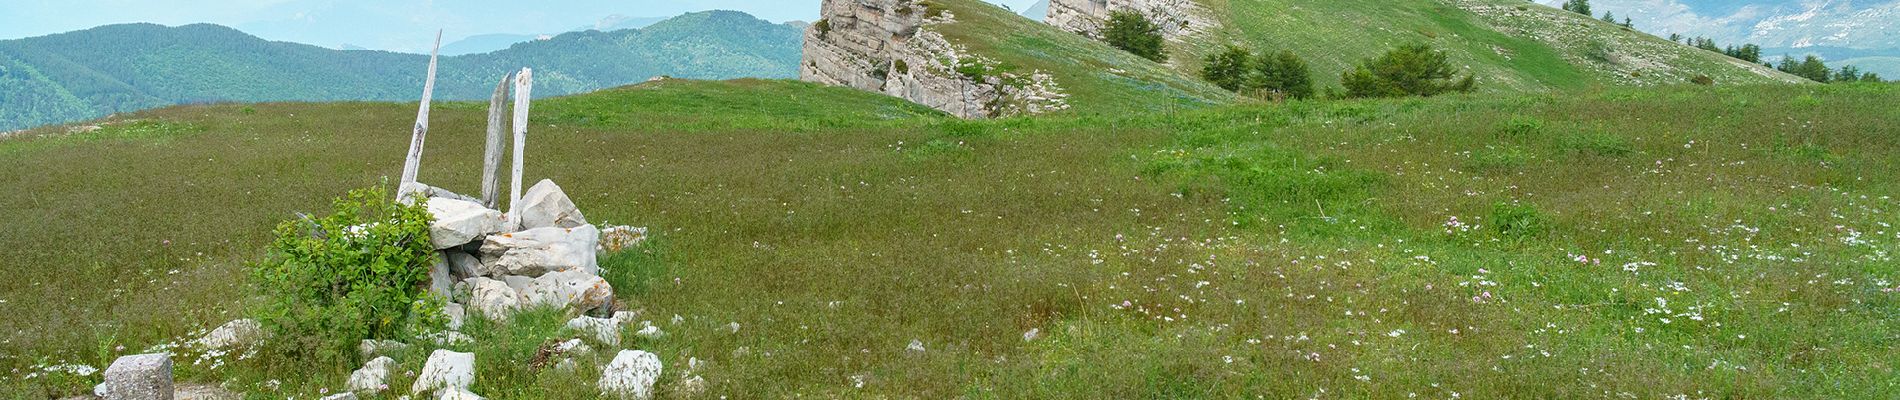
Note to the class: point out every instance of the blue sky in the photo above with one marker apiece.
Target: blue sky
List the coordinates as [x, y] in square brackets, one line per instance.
[402, 25]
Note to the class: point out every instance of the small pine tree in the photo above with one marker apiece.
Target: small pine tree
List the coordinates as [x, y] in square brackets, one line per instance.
[1409, 70]
[1228, 68]
[1609, 17]
[1847, 73]
[1134, 33]
[1811, 67]
[1578, 6]
[1675, 37]
[1283, 75]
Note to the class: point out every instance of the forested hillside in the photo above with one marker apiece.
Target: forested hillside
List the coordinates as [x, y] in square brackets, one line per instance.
[90, 73]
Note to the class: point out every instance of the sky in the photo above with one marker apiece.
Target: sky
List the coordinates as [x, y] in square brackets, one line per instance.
[397, 25]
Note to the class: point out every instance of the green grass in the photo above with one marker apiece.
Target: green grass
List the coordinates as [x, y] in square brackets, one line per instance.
[1511, 46]
[1297, 250]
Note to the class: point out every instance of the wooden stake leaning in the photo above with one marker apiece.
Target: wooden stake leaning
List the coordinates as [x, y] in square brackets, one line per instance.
[524, 84]
[491, 159]
[413, 162]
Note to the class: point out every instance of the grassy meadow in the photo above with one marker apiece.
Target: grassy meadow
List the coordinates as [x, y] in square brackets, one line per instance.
[1675, 242]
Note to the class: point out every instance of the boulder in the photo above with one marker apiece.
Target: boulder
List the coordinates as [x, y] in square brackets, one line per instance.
[441, 282]
[606, 330]
[240, 332]
[456, 394]
[455, 313]
[630, 375]
[650, 332]
[460, 222]
[341, 396]
[546, 206]
[445, 369]
[616, 238]
[492, 298]
[373, 377]
[572, 289]
[541, 250]
[410, 192]
[140, 377]
[463, 266]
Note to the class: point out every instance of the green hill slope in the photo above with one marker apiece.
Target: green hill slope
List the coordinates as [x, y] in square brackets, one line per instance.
[86, 74]
[1099, 79]
[1509, 45]
[1592, 244]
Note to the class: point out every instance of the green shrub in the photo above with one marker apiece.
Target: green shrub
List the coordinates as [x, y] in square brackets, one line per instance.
[823, 26]
[356, 274]
[1284, 75]
[1409, 70]
[1134, 33]
[1227, 69]
[1523, 125]
[1518, 221]
[1702, 80]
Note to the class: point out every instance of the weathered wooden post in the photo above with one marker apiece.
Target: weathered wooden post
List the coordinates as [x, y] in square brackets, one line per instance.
[414, 160]
[524, 85]
[491, 160]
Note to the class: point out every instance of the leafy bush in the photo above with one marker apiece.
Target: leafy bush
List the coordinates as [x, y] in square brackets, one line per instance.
[1284, 74]
[1702, 80]
[356, 274]
[1523, 125]
[1518, 221]
[1134, 33]
[1227, 69]
[1409, 70]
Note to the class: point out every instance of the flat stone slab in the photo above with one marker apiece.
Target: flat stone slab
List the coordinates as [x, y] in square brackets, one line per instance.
[140, 377]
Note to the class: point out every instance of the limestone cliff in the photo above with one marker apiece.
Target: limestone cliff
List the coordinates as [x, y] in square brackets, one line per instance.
[887, 46]
[1177, 18]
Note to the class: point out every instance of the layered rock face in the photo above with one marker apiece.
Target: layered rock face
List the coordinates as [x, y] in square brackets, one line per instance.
[887, 46]
[1177, 18]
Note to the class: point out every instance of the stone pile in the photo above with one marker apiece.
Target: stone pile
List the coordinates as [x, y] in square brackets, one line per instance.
[493, 263]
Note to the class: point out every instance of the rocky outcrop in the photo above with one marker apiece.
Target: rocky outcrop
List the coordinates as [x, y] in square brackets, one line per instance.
[1176, 18]
[887, 46]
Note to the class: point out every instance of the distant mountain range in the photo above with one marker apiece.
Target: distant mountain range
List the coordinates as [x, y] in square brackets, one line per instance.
[116, 68]
[1865, 33]
[500, 41]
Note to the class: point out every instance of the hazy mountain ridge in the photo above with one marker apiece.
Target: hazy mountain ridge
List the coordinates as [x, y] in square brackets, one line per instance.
[86, 74]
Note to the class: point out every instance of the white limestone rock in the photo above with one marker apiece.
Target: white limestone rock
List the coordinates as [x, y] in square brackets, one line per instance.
[441, 281]
[541, 250]
[140, 377]
[456, 394]
[341, 396]
[445, 369]
[463, 266]
[373, 377]
[492, 298]
[572, 289]
[617, 238]
[456, 313]
[240, 332]
[408, 193]
[460, 222]
[605, 330]
[546, 206]
[631, 375]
